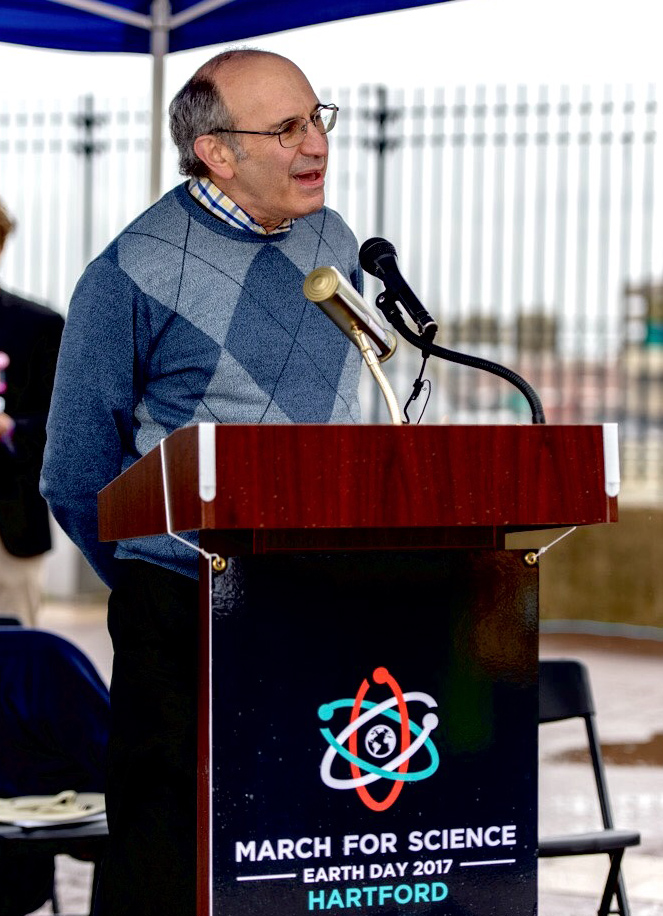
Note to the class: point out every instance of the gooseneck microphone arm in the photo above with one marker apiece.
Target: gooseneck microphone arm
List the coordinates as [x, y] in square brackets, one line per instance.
[386, 302]
[378, 257]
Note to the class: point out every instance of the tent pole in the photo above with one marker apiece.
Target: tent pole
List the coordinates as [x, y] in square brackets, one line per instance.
[159, 48]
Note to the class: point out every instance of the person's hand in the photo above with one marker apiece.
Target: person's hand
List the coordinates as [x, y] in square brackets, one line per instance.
[4, 362]
[6, 425]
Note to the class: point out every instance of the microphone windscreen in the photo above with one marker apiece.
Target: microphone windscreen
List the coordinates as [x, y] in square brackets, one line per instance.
[371, 250]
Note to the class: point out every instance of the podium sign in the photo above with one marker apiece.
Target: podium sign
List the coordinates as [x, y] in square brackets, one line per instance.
[374, 734]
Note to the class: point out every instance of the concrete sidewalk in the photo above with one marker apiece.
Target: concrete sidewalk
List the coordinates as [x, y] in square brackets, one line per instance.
[627, 679]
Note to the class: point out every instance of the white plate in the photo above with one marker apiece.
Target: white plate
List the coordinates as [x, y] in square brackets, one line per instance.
[66, 807]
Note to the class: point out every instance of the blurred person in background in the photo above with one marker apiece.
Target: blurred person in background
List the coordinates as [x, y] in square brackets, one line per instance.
[29, 340]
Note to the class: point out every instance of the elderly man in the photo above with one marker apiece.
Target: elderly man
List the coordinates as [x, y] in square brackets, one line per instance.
[194, 313]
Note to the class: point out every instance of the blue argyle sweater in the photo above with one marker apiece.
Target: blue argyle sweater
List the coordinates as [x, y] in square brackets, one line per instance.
[184, 319]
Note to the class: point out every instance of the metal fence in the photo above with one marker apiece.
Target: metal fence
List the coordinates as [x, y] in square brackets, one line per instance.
[529, 220]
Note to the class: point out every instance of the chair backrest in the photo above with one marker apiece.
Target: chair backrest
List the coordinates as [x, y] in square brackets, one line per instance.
[564, 690]
[565, 693]
[54, 715]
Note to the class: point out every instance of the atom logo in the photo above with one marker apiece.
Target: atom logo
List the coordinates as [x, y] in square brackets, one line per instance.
[380, 741]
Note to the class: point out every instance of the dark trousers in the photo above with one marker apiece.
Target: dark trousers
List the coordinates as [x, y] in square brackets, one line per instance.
[150, 867]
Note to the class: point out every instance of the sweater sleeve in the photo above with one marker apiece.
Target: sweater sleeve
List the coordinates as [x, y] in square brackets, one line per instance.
[89, 428]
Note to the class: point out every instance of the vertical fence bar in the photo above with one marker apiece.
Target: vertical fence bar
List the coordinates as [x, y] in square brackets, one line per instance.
[519, 175]
[581, 248]
[478, 148]
[540, 199]
[605, 361]
[496, 297]
[628, 384]
[434, 211]
[561, 205]
[417, 167]
[55, 224]
[458, 139]
[438, 266]
[456, 212]
[653, 349]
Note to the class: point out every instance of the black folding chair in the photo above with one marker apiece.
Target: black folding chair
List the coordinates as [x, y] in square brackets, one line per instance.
[565, 693]
[54, 716]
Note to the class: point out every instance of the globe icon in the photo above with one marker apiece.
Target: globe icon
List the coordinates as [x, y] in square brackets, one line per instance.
[380, 741]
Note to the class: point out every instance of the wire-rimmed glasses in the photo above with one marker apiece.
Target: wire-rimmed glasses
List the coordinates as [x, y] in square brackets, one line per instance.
[292, 132]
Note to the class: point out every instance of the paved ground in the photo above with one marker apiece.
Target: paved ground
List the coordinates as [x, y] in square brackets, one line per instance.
[627, 679]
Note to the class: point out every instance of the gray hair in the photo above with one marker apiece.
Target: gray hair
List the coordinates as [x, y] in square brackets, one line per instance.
[7, 225]
[199, 108]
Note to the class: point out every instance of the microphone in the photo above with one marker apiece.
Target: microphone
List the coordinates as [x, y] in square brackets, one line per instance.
[341, 302]
[378, 257]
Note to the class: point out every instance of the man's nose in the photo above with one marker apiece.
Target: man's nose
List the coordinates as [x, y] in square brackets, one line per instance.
[314, 143]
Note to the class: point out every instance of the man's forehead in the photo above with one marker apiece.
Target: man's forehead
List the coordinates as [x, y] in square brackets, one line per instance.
[250, 70]
[265, 81]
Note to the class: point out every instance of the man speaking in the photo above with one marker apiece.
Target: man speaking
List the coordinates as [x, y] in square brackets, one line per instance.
[195, 313]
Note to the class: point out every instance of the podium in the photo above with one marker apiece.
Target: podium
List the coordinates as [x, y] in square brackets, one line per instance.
[368, 692]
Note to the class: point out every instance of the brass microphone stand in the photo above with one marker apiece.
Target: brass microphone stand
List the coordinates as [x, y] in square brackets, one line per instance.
[370, 358]
[327, 287]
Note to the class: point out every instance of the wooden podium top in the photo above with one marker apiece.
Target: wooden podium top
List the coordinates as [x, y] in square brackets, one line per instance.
[290, 487]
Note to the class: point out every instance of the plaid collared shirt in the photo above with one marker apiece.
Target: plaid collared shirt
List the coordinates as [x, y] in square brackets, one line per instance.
[206, 192]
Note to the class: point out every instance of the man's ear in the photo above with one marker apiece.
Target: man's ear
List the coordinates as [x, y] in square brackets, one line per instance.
[216, 155]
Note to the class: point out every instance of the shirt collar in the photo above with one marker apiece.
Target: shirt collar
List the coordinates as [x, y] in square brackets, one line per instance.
[206, 192]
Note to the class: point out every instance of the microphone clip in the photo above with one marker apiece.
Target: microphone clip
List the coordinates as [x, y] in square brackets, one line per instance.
[387, 303]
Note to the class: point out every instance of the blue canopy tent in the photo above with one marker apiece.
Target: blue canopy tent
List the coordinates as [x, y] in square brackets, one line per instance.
[157, 27]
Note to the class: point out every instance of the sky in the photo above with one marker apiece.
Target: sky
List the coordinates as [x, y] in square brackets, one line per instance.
[460, 42]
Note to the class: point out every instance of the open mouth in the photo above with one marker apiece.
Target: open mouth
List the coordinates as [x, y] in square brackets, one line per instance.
[312, 178]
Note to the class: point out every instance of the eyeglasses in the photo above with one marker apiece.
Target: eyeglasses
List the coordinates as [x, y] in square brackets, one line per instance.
[292, 133]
